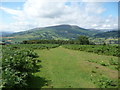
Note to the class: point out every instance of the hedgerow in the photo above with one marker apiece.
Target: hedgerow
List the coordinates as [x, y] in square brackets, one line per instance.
[99, 49]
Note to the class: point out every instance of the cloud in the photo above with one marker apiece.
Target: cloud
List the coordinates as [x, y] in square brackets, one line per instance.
[10, 11]
[94, 8]
[41, 13]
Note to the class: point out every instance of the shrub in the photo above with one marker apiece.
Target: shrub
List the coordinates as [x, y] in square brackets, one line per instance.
[17, 65]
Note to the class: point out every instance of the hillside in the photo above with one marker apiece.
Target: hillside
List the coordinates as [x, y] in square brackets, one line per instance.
[63, 32]
[109, 34]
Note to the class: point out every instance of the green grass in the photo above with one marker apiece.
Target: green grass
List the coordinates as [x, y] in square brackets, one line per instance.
[64, 68]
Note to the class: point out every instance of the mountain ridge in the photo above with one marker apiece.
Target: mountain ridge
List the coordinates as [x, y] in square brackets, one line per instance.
[58, 32]
[53, 32]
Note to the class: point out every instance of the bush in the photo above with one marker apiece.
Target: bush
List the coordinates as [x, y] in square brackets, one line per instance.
[107, 83]
[99, 49]
[17, 65]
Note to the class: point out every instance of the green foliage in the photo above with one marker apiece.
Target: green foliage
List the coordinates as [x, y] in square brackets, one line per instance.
[83, 40]
[93, 61]
[99, 49]
[48, 42]
[113, 62]
[114, 34]
[17, 66]
[104, 82]
[104, 64]
[110, 63]
[34, 46]
[19, 62]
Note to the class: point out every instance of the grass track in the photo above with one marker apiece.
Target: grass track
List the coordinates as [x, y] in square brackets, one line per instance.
[65, 68]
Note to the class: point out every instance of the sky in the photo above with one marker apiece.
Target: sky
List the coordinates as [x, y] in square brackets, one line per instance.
[25, 15]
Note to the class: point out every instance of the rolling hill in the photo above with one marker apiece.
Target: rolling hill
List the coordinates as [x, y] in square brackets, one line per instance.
[109, 34]
[63, 32]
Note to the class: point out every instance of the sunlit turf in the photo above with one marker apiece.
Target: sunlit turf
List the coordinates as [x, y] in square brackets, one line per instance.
[64, 68]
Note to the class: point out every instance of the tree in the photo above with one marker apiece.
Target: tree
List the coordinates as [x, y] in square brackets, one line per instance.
[83, 40]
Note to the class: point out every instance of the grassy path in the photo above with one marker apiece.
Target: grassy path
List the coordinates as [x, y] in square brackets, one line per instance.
[64, 68]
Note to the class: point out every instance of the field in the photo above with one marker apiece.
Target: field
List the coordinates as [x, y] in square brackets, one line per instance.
[65, 68]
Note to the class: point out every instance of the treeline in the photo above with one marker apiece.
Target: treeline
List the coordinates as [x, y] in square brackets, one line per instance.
[34, 46]
[82, 40]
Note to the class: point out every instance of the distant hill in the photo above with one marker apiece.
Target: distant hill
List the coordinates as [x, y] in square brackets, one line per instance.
[104, 30]
[63, 32]
[4, 33]
[112, 34]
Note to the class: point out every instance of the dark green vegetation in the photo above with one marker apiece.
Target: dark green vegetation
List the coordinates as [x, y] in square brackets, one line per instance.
[59, 67]
[35, 46]
[99, 49]
[18, 64]
[81, 40]
[112, 34]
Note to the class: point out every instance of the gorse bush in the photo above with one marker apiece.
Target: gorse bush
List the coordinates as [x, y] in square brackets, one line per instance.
[17, 66]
